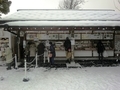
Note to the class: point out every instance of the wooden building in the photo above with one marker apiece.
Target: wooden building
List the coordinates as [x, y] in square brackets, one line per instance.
[86, 27]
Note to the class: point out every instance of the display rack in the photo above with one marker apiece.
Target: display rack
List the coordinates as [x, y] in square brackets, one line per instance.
[85, 41]
[4, 41]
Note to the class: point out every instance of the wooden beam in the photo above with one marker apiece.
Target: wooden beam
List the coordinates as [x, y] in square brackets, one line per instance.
[61, 28]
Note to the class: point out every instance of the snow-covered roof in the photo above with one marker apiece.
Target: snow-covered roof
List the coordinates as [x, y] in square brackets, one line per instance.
[57, 17]
[64, 15]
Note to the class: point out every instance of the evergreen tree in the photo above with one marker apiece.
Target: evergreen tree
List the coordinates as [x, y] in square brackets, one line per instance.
[4, 6]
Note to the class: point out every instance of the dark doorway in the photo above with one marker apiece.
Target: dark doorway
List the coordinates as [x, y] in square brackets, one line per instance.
[21, 48]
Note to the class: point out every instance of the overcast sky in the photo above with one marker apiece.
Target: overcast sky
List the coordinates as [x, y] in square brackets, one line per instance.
[53, 4]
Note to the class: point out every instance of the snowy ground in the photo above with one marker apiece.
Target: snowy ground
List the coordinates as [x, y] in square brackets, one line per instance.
[86, 78]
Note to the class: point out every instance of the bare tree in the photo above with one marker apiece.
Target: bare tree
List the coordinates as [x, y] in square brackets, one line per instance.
[119, 1]
[70, 4]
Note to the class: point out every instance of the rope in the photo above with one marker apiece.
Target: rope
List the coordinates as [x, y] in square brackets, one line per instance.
[31, 61]
[34, 59]
[40, 54]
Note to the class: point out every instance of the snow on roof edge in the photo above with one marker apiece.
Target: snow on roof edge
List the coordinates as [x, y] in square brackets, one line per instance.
[67, 9]
[63, 23]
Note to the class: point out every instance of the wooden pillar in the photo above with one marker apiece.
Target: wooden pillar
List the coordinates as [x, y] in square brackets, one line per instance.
[18, 43]
[72, 43]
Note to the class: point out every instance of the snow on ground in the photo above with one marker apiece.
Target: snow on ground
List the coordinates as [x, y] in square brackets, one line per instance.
[86, 78]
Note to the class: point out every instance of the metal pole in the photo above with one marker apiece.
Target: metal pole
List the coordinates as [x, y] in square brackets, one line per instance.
[25, 68]
[16, 65]
[73, 43]
[48, 57]
[73, 52]
[36, 61]
[44, 57]
[117, 57]
[25, 79]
